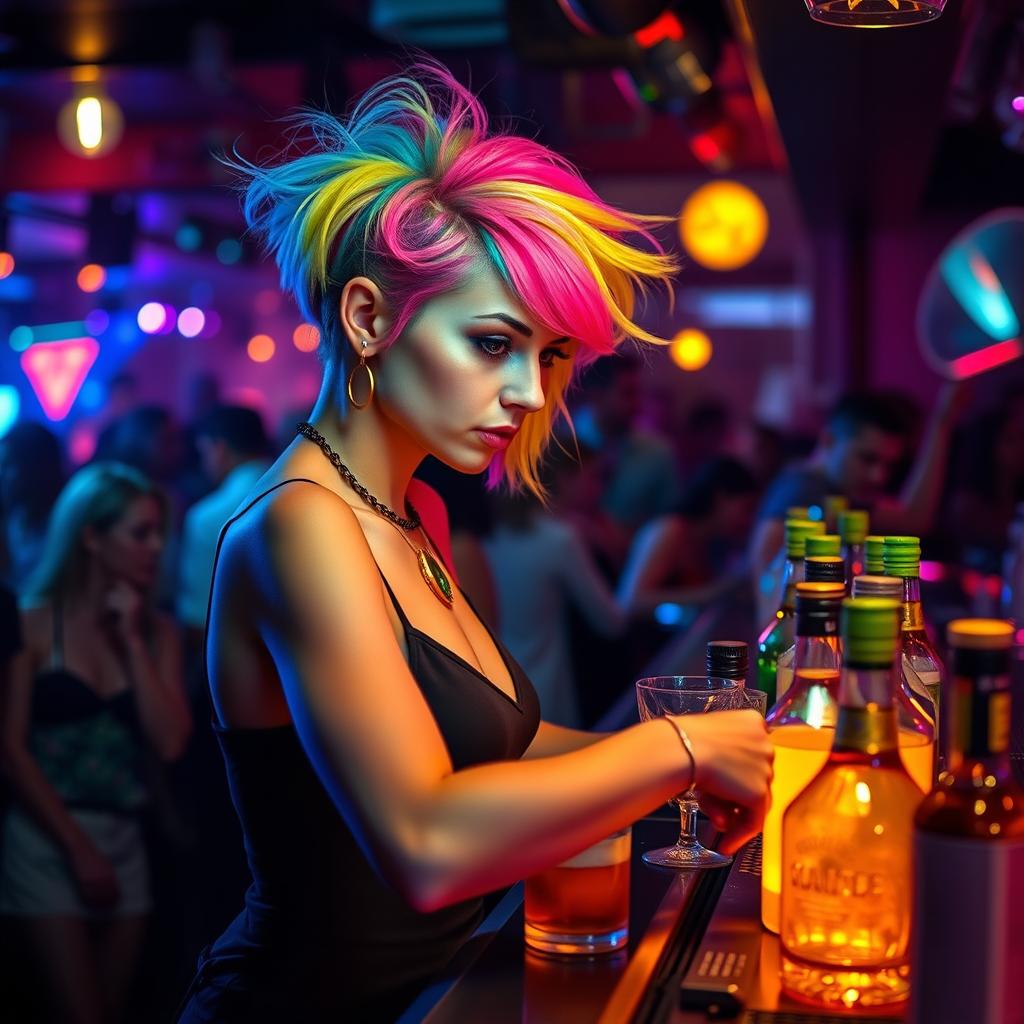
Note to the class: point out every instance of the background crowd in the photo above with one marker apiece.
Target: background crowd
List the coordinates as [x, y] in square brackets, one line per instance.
[649, 520]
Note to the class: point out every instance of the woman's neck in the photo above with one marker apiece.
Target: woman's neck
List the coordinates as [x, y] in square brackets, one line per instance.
[379, 454]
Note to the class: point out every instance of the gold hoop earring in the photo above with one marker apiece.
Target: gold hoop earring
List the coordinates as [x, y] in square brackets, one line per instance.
[361, 365]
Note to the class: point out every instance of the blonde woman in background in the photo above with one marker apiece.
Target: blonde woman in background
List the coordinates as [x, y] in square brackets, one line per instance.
[96, 688]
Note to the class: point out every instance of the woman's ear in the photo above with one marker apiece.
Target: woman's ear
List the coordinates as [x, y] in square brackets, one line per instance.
[364, 316]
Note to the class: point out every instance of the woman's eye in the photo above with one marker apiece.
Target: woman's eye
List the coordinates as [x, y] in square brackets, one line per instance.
[549, 355]
[494, 346]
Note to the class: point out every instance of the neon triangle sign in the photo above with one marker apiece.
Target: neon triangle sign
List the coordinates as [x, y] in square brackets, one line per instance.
[57, 370]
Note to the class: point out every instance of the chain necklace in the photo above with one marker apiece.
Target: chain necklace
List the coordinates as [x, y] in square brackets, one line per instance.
[430, 569]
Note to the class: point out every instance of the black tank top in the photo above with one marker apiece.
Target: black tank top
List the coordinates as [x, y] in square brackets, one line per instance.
[322, 936]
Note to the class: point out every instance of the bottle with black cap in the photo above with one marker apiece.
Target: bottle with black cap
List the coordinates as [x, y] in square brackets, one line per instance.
[728, 659]
[825, 569]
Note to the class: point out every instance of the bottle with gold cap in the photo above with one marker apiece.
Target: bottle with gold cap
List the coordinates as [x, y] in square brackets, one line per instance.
[969, 846]
[921, 664]
[912, 716]
[874, 546]
[802, 722]
[846, 839]
[853, 529]
[778, 634]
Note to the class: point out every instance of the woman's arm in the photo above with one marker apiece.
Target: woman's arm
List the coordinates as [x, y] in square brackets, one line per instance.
[554, 739]
[439, 835]
[156, 675]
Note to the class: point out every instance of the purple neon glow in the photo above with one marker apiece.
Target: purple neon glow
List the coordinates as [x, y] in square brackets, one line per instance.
[212, 324]
[151, 317]
[191, 321]
[1018, 104]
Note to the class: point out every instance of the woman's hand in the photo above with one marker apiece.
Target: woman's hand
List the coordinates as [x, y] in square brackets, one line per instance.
[734, 758]
[95, 877]
[123, 608]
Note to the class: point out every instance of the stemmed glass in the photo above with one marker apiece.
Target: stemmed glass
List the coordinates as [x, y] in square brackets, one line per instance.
[690, 695]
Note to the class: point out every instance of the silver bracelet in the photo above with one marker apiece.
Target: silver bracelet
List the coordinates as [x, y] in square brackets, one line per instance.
[687, 746]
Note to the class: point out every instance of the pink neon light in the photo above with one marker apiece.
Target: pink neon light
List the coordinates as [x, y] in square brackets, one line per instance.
[1018, 104]
[1020, 637]
[978, 362]
[57, 370]
[932, 572]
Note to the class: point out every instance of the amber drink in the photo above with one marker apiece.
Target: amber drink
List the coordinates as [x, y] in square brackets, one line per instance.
[582, 906]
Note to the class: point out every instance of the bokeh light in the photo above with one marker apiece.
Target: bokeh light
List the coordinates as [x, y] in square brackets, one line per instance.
[82, 444]
[261, 348]
[191, 321]
[1018, 104]
[229, 251]
[92, 277]
[306, 337]
[723, 225]
[20, 338]
[10, 406]
[188, 237]
[691, 350]
[6, 265]
[97, 321]
[151, 317]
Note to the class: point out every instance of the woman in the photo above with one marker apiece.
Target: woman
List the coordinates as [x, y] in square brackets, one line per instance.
[693, 556]
[384, 752]
[95, 689]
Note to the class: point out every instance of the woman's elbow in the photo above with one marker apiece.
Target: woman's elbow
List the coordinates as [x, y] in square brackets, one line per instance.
[431, 876]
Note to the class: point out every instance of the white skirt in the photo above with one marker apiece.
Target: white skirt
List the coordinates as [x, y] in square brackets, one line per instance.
[36, 878]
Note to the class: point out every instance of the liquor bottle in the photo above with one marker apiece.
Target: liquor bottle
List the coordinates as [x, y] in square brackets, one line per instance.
[824, 586]
[912, 715]
[778, 635]
[853, 529]
[874, 547]
[969, 848]
[798, 512]
[801, 724]
[825, 569]
[835, 505]
[727, 659]
[846, 839]
[921, 664]
[1012, 597]
[823, 544]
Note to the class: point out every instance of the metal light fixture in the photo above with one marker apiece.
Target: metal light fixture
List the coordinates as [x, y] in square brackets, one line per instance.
[874, 13]
[90, 124]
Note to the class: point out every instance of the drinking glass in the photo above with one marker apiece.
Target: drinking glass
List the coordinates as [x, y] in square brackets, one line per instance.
[691, 695]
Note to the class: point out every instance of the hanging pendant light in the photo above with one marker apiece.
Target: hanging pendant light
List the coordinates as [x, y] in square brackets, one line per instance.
[874, 13]
[90, 123]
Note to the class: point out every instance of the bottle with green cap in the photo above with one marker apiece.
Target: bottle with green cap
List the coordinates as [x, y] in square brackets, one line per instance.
[873, 548]
[846, 838]
[777, 635]
[826, 544]
[802, 722]
[920, 663]
[853, 529]
[835, 505]
[969, 841]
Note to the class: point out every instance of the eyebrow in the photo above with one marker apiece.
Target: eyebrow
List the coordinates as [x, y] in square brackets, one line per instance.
[517, 325]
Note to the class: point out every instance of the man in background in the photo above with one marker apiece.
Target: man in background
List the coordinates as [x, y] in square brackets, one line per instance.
[865, 439]
[233, 450]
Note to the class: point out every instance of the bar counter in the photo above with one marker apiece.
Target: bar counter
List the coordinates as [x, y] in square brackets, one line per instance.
[683, 924]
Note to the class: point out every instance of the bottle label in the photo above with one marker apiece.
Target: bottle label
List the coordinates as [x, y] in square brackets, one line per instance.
[982, 708]
[968, 958]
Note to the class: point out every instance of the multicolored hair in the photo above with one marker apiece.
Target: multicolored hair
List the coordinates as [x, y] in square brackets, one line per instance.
[411, 188]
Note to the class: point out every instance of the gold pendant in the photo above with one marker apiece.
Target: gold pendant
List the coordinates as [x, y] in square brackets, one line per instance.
[435, 577]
